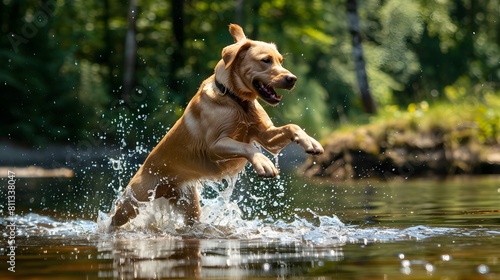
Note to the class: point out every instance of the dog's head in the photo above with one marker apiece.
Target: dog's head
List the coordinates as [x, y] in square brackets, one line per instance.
[253, 69]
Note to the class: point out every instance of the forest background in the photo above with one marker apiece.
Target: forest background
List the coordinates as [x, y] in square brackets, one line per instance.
[65, 76]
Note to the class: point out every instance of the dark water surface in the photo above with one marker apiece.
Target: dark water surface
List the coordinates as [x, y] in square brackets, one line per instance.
[265, 229]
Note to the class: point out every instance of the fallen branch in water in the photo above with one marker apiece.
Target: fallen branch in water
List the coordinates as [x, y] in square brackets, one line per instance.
[36, 172]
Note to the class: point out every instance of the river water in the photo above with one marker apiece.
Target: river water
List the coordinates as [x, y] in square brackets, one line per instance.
[260, 229]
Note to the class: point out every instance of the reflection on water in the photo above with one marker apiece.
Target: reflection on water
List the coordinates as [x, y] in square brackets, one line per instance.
[412, 229]
[193, 258]
[130, 255]
[167, 258]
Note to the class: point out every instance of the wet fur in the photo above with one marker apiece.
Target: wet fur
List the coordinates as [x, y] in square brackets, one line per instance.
[214, 137]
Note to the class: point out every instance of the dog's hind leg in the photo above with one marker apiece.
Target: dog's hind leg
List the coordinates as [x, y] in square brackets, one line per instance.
[124, 211]
[126, 208]
[185, 199]
[189, 204]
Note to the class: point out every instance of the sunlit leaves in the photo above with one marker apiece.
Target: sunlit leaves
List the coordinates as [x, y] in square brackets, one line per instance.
[415, 50]
[436, 14]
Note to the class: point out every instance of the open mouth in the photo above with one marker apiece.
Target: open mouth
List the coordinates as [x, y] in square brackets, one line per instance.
[267, 93]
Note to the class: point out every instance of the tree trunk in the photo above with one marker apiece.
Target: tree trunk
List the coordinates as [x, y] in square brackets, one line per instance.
[177, 56]
[130, 53]
[256, 4]
[240, 12]
[357, 51]
[108, 43]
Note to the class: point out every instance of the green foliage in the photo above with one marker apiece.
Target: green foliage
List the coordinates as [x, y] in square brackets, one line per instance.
[488, 123]
[60, 82]
[40, 104]
[474, 115]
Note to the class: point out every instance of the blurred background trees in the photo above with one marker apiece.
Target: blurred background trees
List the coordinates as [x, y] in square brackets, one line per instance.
[63, 62]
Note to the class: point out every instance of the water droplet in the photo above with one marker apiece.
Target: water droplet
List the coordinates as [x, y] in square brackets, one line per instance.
[483, 269]
[406, 270]
[446, 258]
[266, 267]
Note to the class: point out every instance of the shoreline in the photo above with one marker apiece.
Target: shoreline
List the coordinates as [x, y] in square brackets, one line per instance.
[36, 172]
[65, 160]
[371, 152]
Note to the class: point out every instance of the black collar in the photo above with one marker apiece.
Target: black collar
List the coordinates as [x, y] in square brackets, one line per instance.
[225, 91]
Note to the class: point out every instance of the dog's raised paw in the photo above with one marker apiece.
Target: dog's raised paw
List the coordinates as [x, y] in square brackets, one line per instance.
[263, 166]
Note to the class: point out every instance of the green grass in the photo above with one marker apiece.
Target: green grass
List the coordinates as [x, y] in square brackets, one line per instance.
[469, 118]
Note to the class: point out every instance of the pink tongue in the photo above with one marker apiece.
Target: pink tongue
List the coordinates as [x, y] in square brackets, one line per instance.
[269, 91]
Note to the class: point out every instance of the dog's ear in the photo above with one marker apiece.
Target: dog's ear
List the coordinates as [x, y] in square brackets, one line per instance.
[237, 32]
[231, 52]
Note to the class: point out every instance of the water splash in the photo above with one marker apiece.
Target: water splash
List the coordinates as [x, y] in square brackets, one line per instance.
[321, 230]
[32, 224]
[225, 214]
[249, 213]
[222, 217]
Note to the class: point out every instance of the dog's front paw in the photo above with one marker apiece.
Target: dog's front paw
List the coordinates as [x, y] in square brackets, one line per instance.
[263, 166]
[310, 145]
[314, 147]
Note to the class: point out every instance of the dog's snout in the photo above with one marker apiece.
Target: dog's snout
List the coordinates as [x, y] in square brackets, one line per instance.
[291, 79]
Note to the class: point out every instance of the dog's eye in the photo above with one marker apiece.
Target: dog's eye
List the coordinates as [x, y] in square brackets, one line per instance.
[266, 60]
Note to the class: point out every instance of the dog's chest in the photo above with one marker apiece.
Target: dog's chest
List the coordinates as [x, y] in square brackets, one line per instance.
[245, 127]
[241, 132]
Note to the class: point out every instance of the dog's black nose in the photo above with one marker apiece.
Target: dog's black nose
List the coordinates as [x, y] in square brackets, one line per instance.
[291, 79]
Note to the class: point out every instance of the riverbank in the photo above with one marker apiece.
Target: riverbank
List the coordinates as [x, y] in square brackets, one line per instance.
[66, 160]
[413, 143]
[54, 160]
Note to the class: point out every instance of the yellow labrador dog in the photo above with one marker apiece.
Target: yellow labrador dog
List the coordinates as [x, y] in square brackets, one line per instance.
[215, 136]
